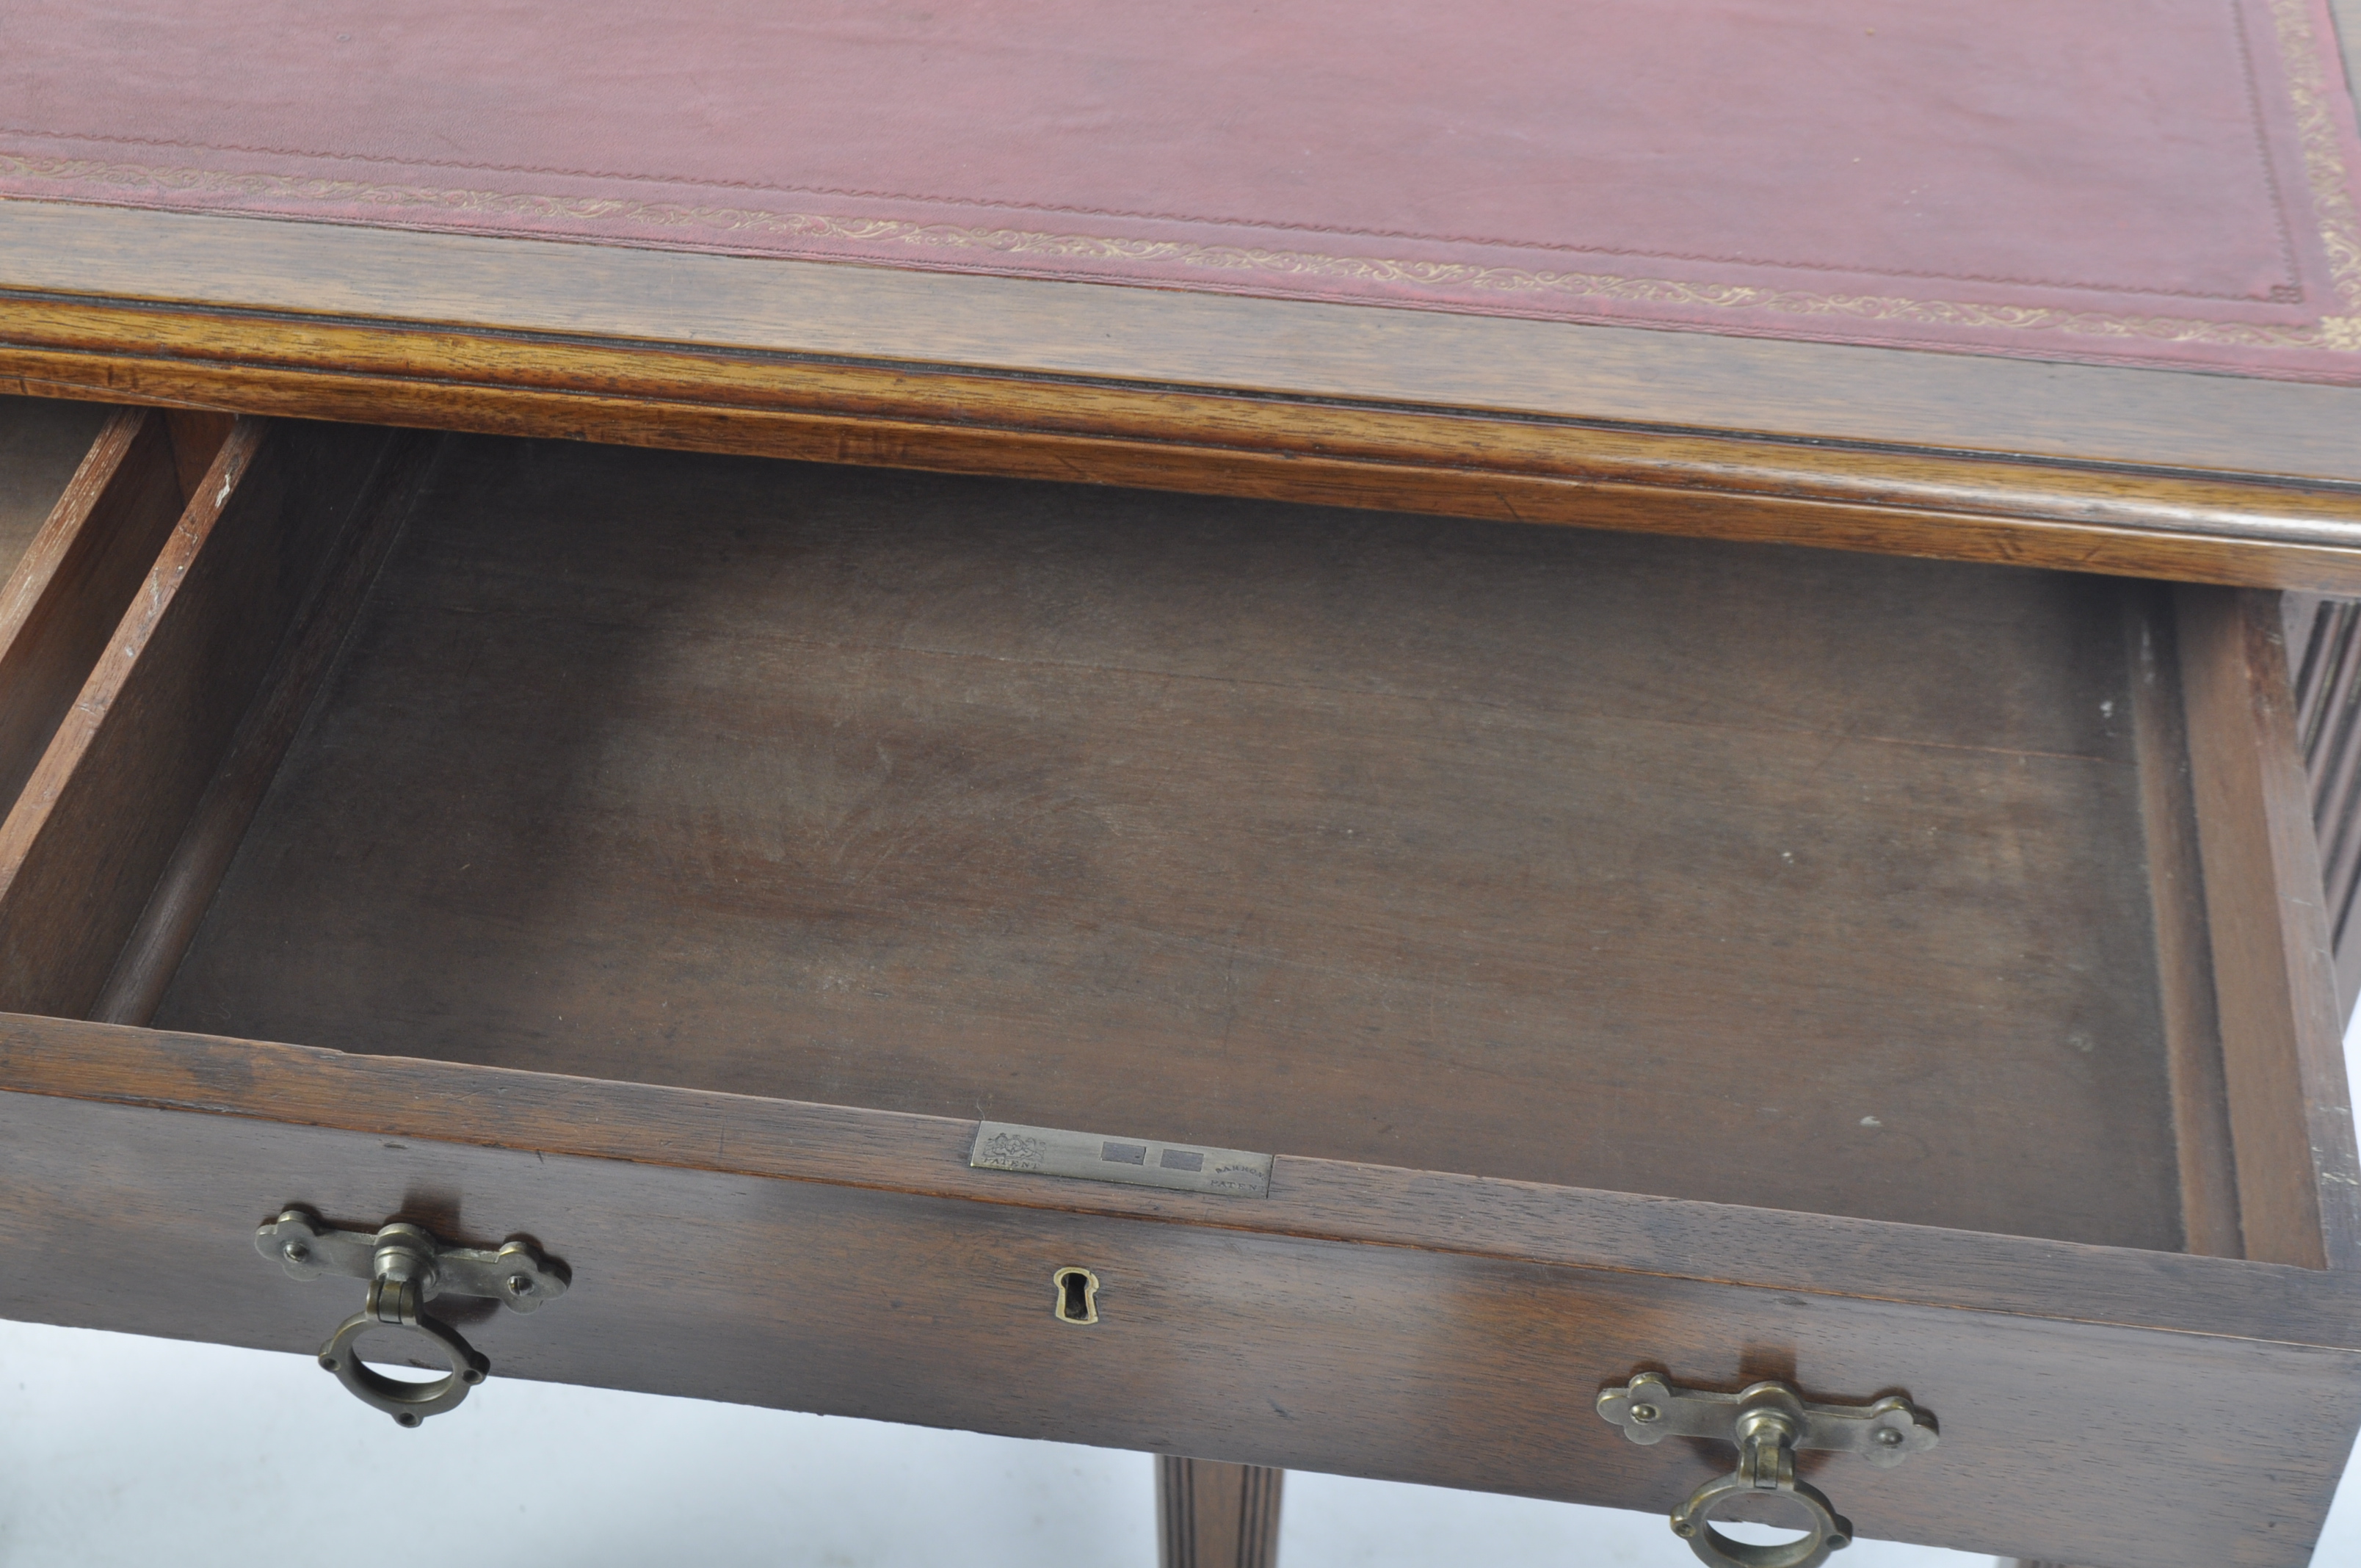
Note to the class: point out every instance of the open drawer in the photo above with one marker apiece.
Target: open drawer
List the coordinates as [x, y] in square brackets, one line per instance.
[1733, 962]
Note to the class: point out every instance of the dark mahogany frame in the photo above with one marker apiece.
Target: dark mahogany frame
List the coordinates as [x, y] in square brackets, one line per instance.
[2146, 473]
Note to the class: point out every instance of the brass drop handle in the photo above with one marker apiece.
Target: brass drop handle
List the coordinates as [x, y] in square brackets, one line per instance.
[395, 1305]
[1768, 1421]
[406, 1268]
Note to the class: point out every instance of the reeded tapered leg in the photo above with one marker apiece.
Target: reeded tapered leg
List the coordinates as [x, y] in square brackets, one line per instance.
[1217, 1515]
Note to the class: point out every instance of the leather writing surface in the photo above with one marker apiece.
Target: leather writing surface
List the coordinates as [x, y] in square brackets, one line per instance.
[2128, 180]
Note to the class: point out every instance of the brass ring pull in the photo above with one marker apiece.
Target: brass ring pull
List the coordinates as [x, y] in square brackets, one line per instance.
[1830, 1531]
[1766, 1430]
[406, 1268]
[395, 1305]
[1768, 1421]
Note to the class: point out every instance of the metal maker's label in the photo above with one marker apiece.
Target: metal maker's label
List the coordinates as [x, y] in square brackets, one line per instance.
[1136, 1162]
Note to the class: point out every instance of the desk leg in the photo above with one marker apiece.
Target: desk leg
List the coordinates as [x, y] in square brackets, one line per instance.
[1217, 1515]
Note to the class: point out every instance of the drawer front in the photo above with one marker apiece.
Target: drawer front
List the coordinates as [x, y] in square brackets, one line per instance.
[1240, 1330]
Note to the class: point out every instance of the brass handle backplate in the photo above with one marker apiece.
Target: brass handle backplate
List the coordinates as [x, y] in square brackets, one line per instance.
[1768, 1422]
[406, 1268]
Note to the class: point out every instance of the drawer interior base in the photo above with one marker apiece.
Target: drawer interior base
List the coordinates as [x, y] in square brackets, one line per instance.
[1755, 874]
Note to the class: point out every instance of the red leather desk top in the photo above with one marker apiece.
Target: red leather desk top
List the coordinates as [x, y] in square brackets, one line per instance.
[2141, 181]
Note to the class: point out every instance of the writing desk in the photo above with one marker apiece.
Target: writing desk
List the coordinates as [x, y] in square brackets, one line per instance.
[1145, 721]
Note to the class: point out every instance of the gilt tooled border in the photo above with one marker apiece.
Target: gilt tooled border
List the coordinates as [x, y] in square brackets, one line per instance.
[2334, 332]
[2320, 140]
[2327, 180]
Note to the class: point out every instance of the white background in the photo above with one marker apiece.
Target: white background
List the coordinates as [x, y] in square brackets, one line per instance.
[121, 1451]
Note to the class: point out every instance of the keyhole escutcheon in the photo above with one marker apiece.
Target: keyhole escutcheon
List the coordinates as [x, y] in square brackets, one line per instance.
[1078, 1296]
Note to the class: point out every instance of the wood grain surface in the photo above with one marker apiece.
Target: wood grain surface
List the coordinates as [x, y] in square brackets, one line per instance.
[2189, 1013]
[218, 822]
[76, 575]
[2159, 473]
[83, 845]
[2274, 971]
[1212, 1515]
[1351, 835]
[831, 1259]
[197, 435]
[1388, 1206]
[42, 441]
